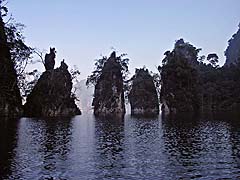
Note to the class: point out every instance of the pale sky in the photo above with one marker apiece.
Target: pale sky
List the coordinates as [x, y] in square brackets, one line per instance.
[82, 30]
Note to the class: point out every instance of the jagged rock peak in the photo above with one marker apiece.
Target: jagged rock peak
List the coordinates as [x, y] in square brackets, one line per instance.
[113, 55]
[52, 96]
[108, 93]
[63, 65]
[49, 61]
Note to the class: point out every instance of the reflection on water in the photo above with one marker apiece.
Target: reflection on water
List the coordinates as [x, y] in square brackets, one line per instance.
[41, 149]
[8, 141]
[85, 147]
[109, 133]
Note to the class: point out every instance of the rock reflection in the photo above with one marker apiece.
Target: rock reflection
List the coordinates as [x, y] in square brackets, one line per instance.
[85, 147]
[42, 149]
[56, 145]
[183, 143]
[109, 132]
[144, 156]
[181, 135]
[201, 147]
[8, 141]
[234, 140]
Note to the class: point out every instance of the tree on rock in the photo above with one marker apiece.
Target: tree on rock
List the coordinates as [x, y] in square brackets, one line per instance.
[213, 59]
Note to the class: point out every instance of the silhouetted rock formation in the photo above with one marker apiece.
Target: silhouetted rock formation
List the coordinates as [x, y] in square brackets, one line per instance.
[109, 94]
[232, 52]
[10, 99]
[49, 61]
[52, 95]
[143, 95]
[180, 91]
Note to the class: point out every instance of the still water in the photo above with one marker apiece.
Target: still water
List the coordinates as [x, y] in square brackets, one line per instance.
[85, 147]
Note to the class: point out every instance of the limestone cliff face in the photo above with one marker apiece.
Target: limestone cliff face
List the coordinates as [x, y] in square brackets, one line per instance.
[109, 94]
[10, 99]
[52, 95]
[143, 95]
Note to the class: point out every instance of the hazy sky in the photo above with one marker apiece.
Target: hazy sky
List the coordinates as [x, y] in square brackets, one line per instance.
[82, 30]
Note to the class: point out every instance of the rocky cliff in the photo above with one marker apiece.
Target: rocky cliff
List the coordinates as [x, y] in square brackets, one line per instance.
[52, 95]
[108, 93]
[232, 52]
[10, 99]
[143, 95]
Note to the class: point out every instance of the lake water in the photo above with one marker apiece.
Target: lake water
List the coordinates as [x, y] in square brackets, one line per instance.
[84, 147]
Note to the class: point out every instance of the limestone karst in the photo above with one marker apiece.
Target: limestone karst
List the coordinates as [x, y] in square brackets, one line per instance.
[143, 95]
[108, 93]
[52, 96]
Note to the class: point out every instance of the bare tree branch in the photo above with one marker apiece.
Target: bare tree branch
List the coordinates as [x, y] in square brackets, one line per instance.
[40, 54]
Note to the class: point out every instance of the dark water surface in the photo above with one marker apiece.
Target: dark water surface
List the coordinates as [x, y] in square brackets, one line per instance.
[88, 148]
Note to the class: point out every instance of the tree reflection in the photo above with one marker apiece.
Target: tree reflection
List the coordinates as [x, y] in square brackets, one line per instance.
[235, 143]
[234, 137]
